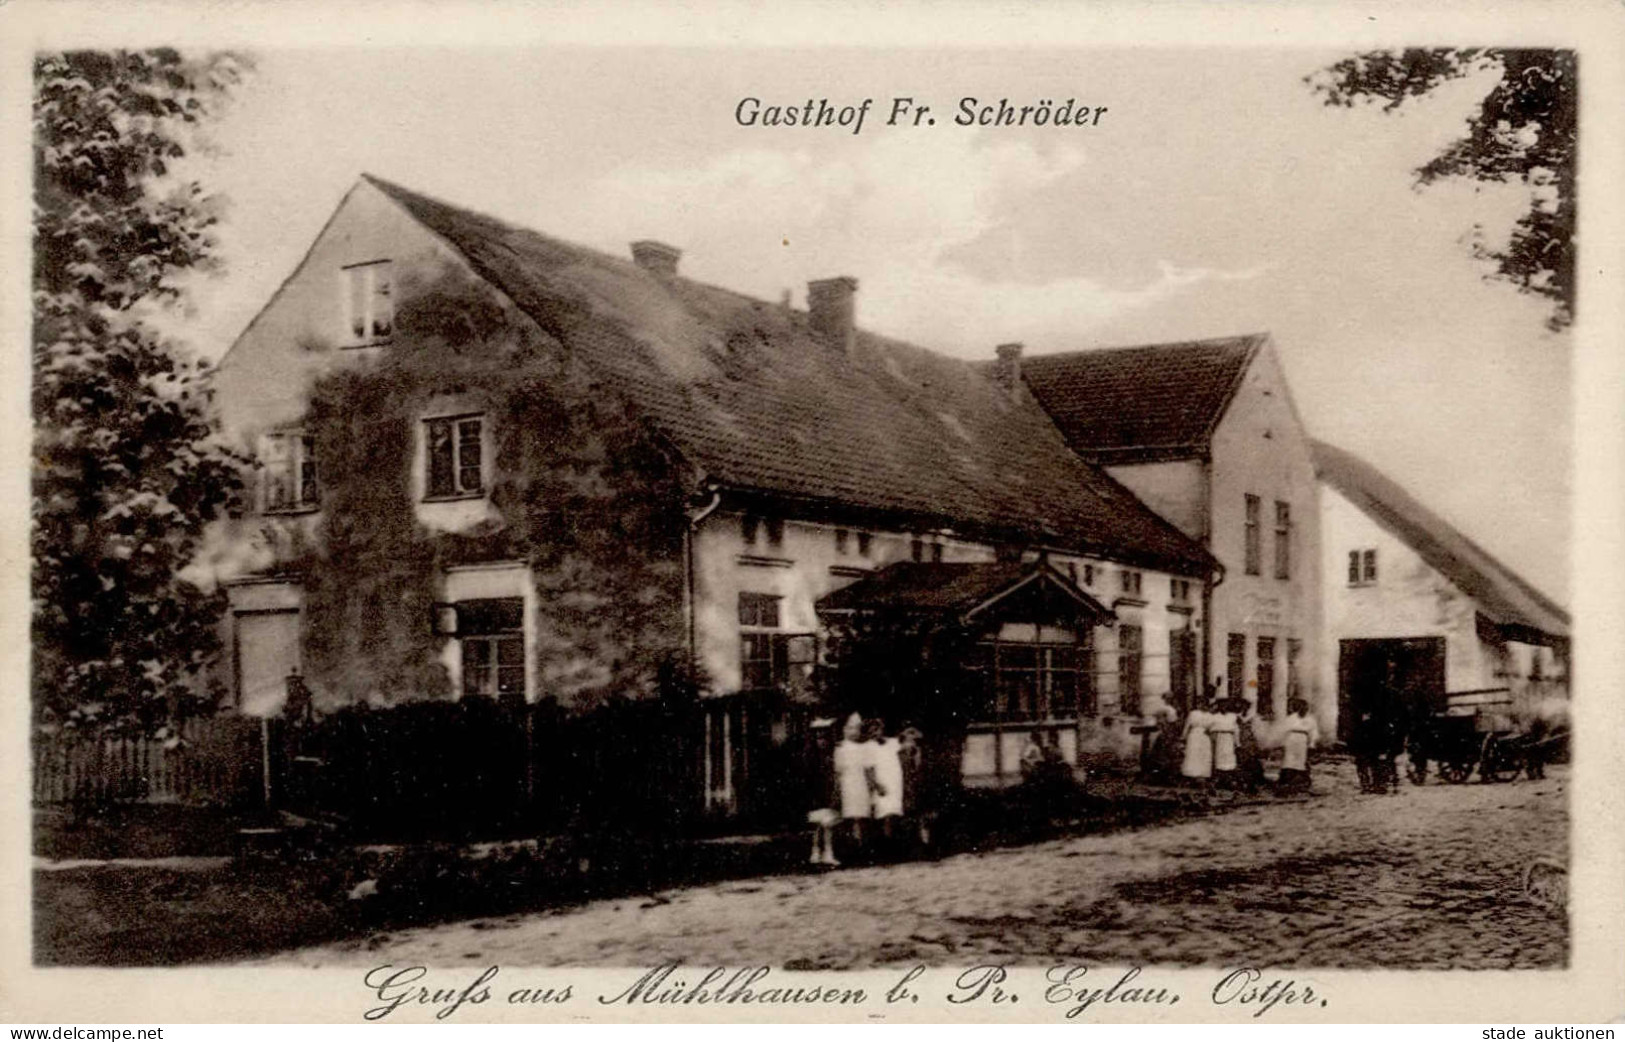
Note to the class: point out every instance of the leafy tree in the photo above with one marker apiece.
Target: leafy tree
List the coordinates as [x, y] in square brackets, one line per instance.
[1524, 130]
[126, 469]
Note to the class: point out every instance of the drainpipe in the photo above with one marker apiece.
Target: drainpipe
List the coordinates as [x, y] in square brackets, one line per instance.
[696, 516]
[1217, 579]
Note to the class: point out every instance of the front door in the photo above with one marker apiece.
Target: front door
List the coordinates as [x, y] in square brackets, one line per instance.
[267, 651]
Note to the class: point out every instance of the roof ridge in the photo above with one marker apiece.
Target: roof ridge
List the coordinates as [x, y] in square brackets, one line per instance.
[1253, 340]
[393, 187]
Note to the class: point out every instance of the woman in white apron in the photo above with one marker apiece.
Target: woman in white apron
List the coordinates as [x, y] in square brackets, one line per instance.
[1198, 764]
[1223, 728]
[1301, 732]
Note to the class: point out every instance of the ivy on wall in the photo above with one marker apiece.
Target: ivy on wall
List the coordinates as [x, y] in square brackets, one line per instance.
[582, 492]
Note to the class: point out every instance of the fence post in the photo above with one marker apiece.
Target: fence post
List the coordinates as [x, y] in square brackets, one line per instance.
[265, 759]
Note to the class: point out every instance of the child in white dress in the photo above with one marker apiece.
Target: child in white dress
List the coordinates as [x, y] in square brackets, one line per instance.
[886, 755]
[852, 772]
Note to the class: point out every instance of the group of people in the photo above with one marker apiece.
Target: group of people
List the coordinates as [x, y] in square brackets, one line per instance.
[1217, 744]
[874, 785]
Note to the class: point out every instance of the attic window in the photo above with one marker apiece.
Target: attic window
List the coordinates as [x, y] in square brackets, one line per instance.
[369, 308]
[1362, 567]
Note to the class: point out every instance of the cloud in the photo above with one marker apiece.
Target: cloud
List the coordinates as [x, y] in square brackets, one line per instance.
[900, 214]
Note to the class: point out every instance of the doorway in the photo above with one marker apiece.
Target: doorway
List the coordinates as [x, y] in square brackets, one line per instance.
[1363, 668]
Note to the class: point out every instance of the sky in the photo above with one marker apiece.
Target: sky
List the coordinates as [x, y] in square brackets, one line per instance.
[1216, 195]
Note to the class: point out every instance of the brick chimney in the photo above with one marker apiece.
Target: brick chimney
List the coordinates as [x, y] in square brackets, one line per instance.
[656, 257]
[832, 310]
[1007, 370]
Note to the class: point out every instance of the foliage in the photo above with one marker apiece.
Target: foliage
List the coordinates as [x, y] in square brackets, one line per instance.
[1525, 130]
[126, 470]
[579, 491]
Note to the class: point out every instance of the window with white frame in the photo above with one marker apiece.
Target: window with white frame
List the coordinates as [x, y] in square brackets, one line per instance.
[769, 657]
[288, 480]
[455, 457]
[369, 306]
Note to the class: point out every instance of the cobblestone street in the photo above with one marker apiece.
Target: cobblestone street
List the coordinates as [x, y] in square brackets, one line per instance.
[1429, 878]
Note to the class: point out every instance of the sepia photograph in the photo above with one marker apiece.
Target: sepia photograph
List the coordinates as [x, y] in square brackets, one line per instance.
[746, 517]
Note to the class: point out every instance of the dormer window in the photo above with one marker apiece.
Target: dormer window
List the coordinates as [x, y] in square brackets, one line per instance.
[289, 477]
[456, 457]
[369, 307]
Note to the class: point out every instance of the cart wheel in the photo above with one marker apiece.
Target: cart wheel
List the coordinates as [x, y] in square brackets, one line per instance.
[1546, 882]
[1499, 764]
[1455, 773]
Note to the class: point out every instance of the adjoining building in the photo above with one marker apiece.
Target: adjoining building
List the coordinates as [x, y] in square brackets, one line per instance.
[495, 464]
[1206, 433]
[1413, 604]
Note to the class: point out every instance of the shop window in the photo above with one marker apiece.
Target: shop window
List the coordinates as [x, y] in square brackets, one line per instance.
[1047, 679]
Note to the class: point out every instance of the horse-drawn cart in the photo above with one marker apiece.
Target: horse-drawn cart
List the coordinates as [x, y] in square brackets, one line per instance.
[1474, 731]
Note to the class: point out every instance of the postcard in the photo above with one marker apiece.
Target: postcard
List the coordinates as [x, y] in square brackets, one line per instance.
[1061, 514]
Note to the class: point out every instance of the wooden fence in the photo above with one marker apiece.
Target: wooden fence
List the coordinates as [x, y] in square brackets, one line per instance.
[217, 760]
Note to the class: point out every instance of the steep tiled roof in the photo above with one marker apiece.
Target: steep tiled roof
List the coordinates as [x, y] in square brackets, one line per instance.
[1502, 596]
[1153, 401]
[759, 402]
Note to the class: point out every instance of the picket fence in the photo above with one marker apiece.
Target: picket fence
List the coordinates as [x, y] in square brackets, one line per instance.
[217, 761]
